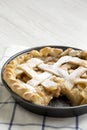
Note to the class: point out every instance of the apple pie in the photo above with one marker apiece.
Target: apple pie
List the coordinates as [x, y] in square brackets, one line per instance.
[41, 75]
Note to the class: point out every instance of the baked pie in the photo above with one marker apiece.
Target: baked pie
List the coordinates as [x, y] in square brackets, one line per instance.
[41, 75]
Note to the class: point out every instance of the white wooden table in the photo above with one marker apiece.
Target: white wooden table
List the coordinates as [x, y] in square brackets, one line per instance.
[40, 22]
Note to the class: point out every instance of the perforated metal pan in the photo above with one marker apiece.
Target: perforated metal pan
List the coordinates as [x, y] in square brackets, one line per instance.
[57, 107]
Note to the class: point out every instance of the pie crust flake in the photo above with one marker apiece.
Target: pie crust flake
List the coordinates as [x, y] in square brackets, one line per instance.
[40, 76]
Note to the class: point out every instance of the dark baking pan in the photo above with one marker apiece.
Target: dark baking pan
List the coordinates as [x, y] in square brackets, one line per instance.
[57, 107]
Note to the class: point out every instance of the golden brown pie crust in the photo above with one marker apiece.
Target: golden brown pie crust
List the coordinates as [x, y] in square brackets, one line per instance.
[66, 73]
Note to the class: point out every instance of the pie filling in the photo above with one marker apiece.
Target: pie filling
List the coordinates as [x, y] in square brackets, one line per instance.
[40, 76]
